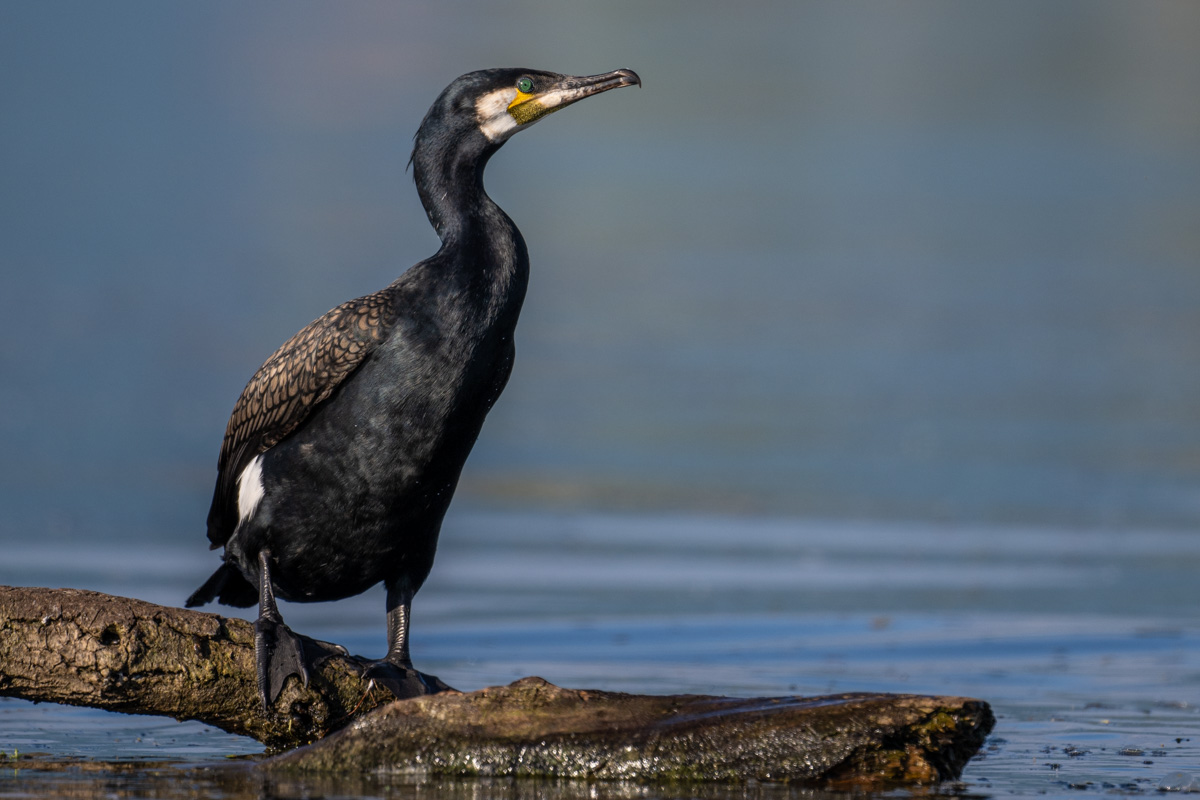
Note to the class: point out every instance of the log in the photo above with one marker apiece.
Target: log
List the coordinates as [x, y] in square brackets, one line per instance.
[85, 648]
[532, 728]
[90, 649]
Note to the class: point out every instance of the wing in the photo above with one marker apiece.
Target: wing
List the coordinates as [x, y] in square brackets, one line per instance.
[300, 374]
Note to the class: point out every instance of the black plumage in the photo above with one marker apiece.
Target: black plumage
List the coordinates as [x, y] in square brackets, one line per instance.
[343, 452]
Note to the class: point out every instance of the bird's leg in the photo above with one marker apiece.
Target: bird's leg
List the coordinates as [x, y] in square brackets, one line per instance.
[278, 651]
[399, 607]
[395, 670]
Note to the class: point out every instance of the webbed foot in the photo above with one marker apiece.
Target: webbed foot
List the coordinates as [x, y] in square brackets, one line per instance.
[281, 653]
[401, 679]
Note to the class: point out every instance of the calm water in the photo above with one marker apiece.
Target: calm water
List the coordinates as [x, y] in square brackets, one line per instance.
[1078, 638]
[861, 350]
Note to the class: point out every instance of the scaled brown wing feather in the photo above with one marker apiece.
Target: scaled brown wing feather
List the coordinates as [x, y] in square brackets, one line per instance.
[304, 371]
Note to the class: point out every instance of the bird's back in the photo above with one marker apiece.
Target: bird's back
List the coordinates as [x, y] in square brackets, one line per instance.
[289, 386]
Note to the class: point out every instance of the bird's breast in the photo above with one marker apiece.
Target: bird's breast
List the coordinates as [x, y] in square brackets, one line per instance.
[407, 419]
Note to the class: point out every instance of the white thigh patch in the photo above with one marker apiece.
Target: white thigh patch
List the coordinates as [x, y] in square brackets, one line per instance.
[250, 489]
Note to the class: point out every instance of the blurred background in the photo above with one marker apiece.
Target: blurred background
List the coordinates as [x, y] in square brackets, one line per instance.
[919, 261]
[916, 261]
[861, 350]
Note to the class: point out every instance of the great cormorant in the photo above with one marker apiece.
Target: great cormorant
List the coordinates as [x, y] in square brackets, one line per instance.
[344, 449]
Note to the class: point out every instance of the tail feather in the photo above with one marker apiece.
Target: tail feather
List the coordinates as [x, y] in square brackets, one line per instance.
[228, 586]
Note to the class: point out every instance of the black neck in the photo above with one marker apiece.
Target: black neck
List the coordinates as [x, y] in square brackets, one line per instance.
[449, 175]
[476, 234]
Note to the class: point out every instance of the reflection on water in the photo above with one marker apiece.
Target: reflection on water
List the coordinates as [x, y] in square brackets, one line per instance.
[235, 783]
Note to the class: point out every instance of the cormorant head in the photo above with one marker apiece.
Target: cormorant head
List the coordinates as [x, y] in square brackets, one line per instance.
[475, 115]
[512, 99]
[484, 108]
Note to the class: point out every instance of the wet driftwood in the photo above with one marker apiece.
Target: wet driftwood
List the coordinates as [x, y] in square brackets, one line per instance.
[532, 728]
[84, 648]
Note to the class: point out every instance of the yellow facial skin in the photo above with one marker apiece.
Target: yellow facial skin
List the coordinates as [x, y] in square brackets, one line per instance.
[525, 109]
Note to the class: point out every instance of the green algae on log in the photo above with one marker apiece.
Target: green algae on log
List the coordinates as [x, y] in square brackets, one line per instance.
[532, 728]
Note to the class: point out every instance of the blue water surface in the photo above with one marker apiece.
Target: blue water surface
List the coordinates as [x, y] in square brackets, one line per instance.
[1088, 693]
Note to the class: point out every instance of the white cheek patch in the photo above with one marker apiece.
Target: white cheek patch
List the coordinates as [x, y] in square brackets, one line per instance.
[250, 489]
[491, 111]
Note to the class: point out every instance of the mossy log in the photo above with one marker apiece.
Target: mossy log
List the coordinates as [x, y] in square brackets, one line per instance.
[85, 648]
[532, 728]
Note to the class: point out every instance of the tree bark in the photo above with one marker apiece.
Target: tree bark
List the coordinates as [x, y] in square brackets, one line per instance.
[85, 648]
[89, 649]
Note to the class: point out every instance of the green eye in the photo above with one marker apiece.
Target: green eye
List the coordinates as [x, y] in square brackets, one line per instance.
[525, 85]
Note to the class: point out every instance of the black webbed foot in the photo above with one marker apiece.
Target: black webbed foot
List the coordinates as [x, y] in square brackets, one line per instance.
[394, 671]
[279, 654]
[401, 680]
[316, 651]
